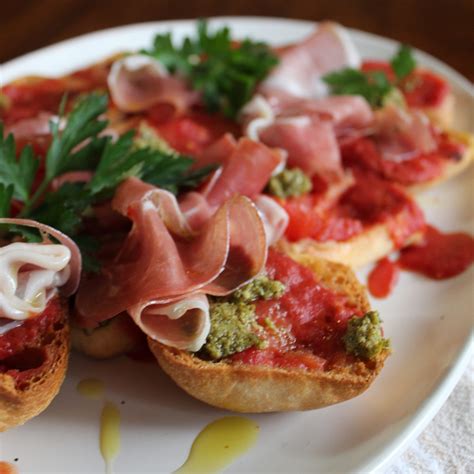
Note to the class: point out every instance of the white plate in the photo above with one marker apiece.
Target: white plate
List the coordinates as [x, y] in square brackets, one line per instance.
[430, 324]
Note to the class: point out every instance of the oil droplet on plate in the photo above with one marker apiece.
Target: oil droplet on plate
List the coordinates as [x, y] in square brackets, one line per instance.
[109, 434]
[91, 388]
[220, 443]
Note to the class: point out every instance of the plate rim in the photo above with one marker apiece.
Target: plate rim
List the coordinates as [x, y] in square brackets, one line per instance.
[439, 394]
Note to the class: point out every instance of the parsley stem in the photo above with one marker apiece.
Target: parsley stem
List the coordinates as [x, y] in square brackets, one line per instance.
[31, 202]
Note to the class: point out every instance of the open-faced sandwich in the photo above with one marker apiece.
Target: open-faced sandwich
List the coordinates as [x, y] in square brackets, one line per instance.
[36, 279]
[207, 192]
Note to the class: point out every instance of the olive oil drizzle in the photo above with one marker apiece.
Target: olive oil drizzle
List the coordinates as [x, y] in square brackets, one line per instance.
[109, 434]
[109, 437]
[91, 388]
[219, 444]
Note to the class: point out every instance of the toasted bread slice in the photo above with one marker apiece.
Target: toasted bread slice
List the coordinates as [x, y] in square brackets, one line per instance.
[368, 247]
[256, 389]
[42, 367]
[452, 168]
[119, 336]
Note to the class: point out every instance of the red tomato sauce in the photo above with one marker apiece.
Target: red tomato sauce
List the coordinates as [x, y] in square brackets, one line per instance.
[31, 332]
[420, 89]
[368, 202]
[383, 278]
[363, 154]
[28, 98]
[193, 132]
[440, 255]
[310, 320]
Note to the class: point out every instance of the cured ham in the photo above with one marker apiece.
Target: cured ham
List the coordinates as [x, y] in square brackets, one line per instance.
[308, 130]
[403, 134]
[303, 64]
[163, 261]
[137, 82]
[217, 153]
[343, 111]
[311, 145]
[247, 171]
[31, 273]
[75, 260]
[31, 126]
[183, 324]
[25, 293]
[275, 218]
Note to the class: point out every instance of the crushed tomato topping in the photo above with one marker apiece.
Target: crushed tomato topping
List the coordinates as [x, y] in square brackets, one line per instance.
[305, 326]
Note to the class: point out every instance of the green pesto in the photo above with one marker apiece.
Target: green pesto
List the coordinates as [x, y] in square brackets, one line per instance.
[364, 337]
[261, 287]
[290, 182]
[234, 325]
[147, 137]
[233, 329]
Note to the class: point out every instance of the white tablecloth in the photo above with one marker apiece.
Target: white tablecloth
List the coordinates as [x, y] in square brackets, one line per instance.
[447, 444]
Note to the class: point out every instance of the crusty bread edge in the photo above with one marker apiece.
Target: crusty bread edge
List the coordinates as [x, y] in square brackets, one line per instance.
[258, 389]
[368, 247]
[452, 168]
[442, 114]
[17, 405]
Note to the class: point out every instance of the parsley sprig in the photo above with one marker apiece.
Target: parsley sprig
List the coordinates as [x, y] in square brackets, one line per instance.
[374, 86]
[225, 72]
[77, 146]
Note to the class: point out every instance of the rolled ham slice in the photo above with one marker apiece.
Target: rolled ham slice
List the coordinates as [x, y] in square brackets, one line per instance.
[33, 126]
[303, 64]
[75, 261]
[137, 82]
[163, 262]
[183, 324]
[31, 273]
[311, 145]
[308, 130]
[275, 218]
[246, 171]
[403, 134]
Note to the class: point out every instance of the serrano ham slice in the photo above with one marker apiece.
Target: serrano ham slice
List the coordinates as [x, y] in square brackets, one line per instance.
[31, 273]
[308, 129]
[403, 134]
[163, 261]
[32, 126]
[311, 145]
[343, 111]
[247, 171]
[217, 153]
[275, 218]
[197, 207]
[303, 64]
[137, 82]
[75, 261]
[183, 324]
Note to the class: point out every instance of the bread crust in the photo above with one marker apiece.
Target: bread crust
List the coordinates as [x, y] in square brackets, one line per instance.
[258, 389]
[21, 402]
[367, 247]
[452, 168]
[116, 338]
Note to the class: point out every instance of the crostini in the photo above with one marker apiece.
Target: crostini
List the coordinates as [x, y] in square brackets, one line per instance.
[308, 350]
[34, 328]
